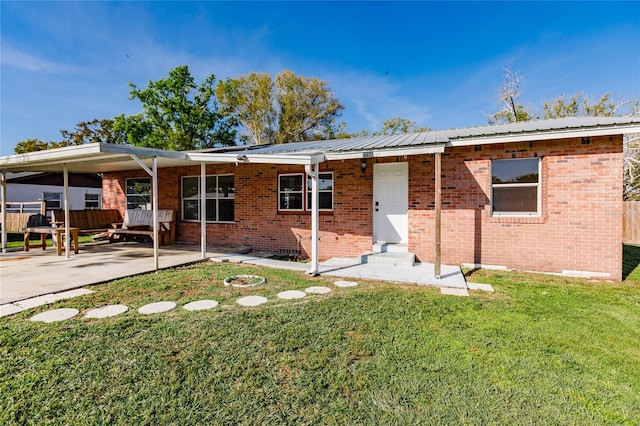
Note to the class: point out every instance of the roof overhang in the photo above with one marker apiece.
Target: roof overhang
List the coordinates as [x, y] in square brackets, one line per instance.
[381, 153]
[542, 135]
[91, 158]
[246, 157]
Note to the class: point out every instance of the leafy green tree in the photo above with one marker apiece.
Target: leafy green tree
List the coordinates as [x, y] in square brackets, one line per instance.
[93, 131]
[290, 109]
[399, 125]
[33, 145]
[181, 115]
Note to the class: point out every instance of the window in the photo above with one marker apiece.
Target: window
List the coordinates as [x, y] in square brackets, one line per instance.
[53, 200]
[91, 201]
[515, 187]
[325, 191]
[139, 193]
[292, 190]
[220, 198]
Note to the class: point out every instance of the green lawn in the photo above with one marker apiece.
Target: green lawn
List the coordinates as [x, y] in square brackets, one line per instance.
[540, 350]
[16, 239]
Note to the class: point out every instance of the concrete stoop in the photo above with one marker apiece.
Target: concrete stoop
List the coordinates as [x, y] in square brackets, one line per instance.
[389, 258]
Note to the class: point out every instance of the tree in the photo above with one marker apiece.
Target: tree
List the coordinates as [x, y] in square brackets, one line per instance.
[399, 125]
[93, 131]
[182, 115]
[290, 109]
[33, 145]
[252, 100]
[509, 97]
[577, 105]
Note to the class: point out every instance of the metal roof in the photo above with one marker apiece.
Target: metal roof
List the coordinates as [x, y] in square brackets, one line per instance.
[522, 131]
[100, 157]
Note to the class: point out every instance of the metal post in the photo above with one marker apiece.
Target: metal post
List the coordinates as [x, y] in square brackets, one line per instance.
[203, 210]
[438, 203]
[3, 189]
[67, 243]
[154, 196]
[312, 171]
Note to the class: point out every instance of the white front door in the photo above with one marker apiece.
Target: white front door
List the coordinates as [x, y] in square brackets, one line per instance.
[390, 203]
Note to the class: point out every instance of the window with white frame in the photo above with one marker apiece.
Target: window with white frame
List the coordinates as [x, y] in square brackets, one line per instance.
[293, 189]
[53, 200]
[138, 191]
[325, 191]
[219, 194]
[91, 201]
[515, 187]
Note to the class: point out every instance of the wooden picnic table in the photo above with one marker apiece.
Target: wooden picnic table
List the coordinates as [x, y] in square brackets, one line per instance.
[57, 233]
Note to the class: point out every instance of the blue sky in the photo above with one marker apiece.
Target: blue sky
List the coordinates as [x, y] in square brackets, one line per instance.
[436, 63]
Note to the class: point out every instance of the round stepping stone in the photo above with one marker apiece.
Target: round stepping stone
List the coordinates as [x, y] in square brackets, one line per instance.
[153, 308]
[56, 315]
[291, 294]
[317, 290]
[107, 311]
[345, 283]
[251, 300]
[200, 305]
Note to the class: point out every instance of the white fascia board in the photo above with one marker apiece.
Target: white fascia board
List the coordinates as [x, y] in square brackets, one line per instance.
[380, 153]
[544, 136]
[247, 158]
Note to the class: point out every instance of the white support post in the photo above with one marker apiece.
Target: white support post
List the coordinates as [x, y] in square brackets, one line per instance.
[312, 172]
[154, 195]
[67, 243]
[438, 212]
[203, 210]
[3, 189]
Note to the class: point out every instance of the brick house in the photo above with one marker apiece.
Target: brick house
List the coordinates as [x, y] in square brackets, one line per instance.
[541, 196]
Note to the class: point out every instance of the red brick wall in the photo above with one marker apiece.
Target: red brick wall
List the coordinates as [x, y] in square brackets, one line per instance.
[580, 227]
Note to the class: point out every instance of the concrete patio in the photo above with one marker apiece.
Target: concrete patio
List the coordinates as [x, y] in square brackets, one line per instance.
[36, 273]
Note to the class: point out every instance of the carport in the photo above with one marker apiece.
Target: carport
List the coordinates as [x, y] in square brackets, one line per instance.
[101, 157]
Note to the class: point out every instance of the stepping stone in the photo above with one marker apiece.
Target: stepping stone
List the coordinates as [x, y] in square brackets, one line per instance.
[291, 294]
[317, 290]
[251, 300]
[200, 305]
[107, 311]
[153, 308]
[454, 291]
[56, 315]
[479, 286]
[9, 309]
[345, 284]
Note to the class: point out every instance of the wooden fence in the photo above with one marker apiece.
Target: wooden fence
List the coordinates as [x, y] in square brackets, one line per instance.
[631, 224]
[18, 214]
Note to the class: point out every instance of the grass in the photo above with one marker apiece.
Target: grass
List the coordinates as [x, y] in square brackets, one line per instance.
[16, 239]
[540, 350]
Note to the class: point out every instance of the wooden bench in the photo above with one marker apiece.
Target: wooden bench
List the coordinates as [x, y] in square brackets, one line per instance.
[88, 221]
[56, 233]
[140, 223]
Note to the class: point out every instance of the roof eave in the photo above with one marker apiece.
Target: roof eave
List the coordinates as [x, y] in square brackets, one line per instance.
[551, 134]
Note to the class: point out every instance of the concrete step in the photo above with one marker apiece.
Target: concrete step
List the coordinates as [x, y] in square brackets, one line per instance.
[382, 247]
[389, 258]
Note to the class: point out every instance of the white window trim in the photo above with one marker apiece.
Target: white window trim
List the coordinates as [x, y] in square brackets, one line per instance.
[197, 198]
[47, 201]
[320, 191]
[306, 191]
[98, 200]
[302, 192]
[538, 185]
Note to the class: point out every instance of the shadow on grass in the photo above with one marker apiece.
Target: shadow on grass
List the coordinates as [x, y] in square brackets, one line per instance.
[630, 259]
